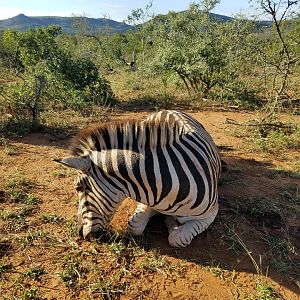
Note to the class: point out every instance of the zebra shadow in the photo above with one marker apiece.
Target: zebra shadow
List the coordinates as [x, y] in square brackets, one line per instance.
[255, 231]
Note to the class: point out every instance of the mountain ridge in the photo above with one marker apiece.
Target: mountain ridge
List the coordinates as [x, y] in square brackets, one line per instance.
[22, 22]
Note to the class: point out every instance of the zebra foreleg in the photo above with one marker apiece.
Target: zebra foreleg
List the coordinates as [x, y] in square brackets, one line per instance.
[182, 235]
[171, 223]
[139, 220]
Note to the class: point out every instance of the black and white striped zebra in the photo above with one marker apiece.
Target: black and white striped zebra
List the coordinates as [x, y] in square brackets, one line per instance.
[167, 162]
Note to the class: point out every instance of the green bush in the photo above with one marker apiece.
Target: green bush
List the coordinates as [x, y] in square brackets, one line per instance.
[23, 100]
[80, 72]
[99, 93]
[50, 77]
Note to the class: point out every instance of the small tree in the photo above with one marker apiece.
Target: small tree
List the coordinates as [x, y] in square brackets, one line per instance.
[24, 100]
[140, 34]
[277, 54]
[196, 47]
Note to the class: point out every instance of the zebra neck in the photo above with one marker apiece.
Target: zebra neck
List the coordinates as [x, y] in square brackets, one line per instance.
[117, 167]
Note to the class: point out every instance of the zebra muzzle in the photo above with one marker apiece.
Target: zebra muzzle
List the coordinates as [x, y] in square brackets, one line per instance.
[98, 234]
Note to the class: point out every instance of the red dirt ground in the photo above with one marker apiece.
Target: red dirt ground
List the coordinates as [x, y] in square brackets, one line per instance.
[213, 267]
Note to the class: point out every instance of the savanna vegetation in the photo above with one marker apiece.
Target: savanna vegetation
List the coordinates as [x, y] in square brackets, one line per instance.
[243, 77]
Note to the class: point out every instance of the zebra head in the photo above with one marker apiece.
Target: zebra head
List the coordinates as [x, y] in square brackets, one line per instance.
[92, 220]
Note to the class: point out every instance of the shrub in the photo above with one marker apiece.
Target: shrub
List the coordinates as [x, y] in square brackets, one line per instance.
[49, 75]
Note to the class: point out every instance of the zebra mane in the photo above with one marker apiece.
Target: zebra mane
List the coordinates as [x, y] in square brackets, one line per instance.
[118, 135]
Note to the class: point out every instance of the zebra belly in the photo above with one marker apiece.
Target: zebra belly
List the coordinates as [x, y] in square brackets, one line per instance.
[183, 208]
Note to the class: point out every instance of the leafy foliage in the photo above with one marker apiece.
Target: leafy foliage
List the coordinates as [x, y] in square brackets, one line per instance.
[225, 60]
[48, 72]
[202, 52]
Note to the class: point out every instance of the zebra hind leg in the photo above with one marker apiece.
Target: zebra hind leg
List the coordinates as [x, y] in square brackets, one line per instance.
[182, 235]
[139, 220]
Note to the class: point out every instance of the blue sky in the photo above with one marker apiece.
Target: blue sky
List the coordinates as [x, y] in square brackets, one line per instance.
[115, 9]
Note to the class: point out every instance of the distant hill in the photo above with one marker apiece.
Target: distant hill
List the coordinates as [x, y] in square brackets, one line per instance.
[222, 18]
[219, 18]
[23, 23]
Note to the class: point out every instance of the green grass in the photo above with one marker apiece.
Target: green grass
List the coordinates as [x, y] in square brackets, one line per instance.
[70, 275]
[293, 199]
[259, 207]
[269, 139]
[19, 181]
[51, 218]
[30, 237]
[29, 294]
[62, 173]
[19, 215]
[291, 174]
[107, 288]
[10, 150]
[216, 271]
[153, 263]
[266, 292]
[71, 227]
[15, 127]
[117, 248]
[23, 197]
[282, 251]
[230, 237]
[35, 273]
[277, 141]
[19, 190]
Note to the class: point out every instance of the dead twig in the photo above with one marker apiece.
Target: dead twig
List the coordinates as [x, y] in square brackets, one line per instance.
[260, 124]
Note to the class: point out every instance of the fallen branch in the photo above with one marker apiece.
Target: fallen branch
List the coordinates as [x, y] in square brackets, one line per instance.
[260, 124]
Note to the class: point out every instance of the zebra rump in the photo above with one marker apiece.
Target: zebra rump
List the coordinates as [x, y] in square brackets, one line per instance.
[167, 162]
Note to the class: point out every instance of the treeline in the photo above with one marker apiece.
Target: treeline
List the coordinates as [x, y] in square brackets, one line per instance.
[238, 61]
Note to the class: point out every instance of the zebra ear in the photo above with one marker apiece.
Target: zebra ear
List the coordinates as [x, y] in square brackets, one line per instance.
[80, 163]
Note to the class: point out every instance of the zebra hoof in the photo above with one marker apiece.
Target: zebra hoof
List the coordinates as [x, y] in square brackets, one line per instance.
[177, 239]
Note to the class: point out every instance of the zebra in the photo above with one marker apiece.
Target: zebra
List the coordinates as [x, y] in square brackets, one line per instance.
[167, 162]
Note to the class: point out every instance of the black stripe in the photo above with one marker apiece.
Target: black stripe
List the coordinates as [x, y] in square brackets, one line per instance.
[164, 169]
[110, 170]
[104, 196]
[96, 142]
[196, 175]
[184, 183]
[122, 167]
[106, 138]
[120, 137]
[134, 146]
[89, 206]
[99, 221]
[204, 165]
[99, 170]
[137, 174]
[104, 203]
[149, 166]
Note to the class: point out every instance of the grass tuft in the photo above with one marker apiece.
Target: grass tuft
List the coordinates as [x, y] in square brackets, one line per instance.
[70, 275]
[153, 263]
[107, 288]
[266, 292]
[30, 294]
[35, 273]
[51, 218]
